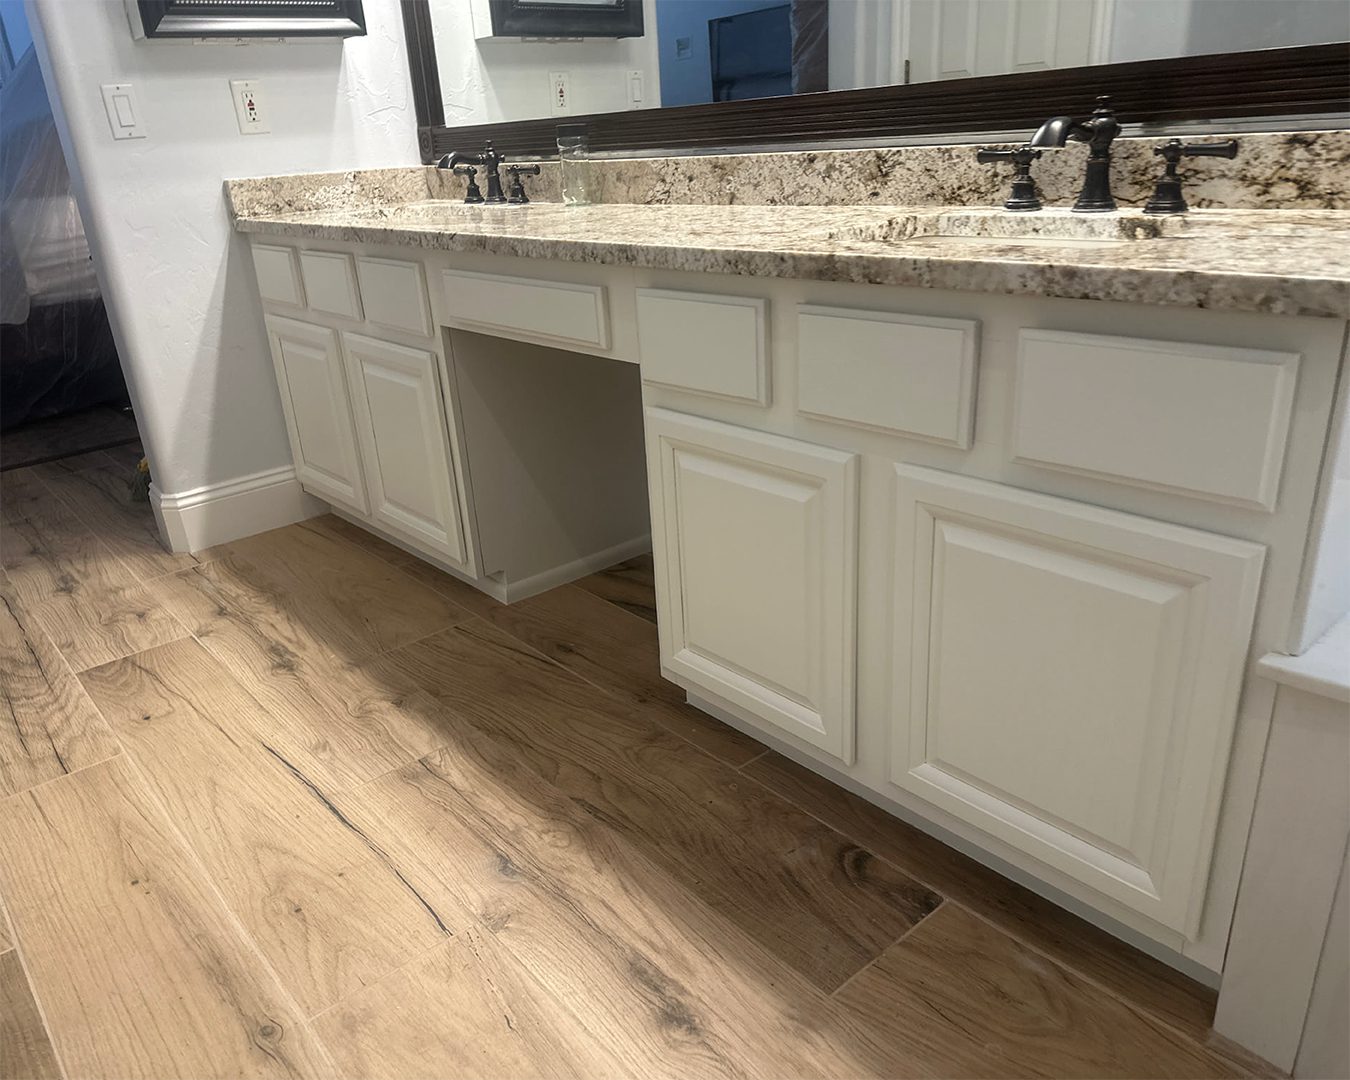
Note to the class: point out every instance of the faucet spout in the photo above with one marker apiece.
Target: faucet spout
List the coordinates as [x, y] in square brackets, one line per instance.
[1054, 132]
[1098, 131]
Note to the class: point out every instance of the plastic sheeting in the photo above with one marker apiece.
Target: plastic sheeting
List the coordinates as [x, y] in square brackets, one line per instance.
[56, 349]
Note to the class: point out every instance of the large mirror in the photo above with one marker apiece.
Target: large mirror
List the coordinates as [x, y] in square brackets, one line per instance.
[508, 60]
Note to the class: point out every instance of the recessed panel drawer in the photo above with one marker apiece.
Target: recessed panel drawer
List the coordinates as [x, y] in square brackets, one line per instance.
[557, 310]
[278, 275]
[395, 294]
[911, 374]
[1207, 420]
[704, 342]
[330, 283]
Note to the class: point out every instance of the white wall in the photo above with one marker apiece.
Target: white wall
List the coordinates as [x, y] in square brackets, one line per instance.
[484, 82]
[174, 275]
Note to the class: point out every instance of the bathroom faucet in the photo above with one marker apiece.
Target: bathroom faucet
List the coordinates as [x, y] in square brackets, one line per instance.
[490, 160]
[1098, 131]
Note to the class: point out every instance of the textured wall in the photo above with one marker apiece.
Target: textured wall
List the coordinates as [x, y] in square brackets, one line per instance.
[175, 276]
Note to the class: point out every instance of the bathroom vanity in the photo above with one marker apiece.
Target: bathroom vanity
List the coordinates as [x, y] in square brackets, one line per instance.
[935, 496]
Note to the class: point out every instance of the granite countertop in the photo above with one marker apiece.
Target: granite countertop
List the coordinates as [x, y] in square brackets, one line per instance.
[1285, 262]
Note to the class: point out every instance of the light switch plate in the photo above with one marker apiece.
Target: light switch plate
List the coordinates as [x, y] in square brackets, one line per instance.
[250, 108]
[124, 112]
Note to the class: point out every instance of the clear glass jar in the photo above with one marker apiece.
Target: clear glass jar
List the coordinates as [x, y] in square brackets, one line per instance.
[575, 163]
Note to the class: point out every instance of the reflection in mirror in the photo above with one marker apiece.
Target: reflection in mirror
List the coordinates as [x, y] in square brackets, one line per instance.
[505, 60]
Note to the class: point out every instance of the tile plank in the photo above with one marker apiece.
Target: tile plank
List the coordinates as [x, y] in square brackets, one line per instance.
[20, 491]
[315, 894]
[98, 496]
[969, 1001]
[1143, 981]
[350, 601]
[824, 905]
[48, 725]
[505, 1024]
[140, 969]
[619, 653]
[25, 1050]
[77, 591]
[349, 726]
[661, 983]
[630, 585]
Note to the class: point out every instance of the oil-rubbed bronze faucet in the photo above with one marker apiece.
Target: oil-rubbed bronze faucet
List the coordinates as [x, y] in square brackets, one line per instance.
[490, 160]
[1098, 131]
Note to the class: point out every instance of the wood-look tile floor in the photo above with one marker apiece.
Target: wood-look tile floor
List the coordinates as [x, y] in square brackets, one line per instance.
[304, 806]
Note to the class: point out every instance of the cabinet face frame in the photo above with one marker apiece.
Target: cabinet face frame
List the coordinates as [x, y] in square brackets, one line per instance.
[348, 487]
[798, 473]
[444, 534]
[1214, 579]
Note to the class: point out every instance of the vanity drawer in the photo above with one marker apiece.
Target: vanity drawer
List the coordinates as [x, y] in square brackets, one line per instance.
[558, 310]
[1208, 420]
[395, 294]
[330, 283]
[911, 374]
[704, 342]
[278, 275]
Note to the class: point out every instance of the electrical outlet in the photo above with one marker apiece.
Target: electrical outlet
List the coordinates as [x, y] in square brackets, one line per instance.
[249, 107]
[560, 92]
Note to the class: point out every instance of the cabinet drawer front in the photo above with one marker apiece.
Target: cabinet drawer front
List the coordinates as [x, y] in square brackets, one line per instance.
[706, 343]
[1207, 420]
[318, 411]
[755, 552]
[1066, 679]
[278, 275]
[405, 443]
[544, 309]
[395, 294]
[330, 283]
[905, 373]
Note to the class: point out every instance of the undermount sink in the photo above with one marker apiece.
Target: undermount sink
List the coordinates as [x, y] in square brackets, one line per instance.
[1040, 228]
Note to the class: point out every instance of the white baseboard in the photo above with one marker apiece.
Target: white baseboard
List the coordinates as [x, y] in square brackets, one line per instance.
[218, 513]
[525, 587]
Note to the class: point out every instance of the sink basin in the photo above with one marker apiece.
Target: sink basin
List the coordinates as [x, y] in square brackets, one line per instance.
[1039, 229]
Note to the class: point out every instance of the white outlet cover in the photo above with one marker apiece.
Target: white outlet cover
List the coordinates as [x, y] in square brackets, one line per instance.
[124, 112]
[250, 107]
[560, 92]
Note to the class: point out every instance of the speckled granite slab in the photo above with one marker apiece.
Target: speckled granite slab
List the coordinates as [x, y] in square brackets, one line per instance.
[1281, 262]
[1273, 171]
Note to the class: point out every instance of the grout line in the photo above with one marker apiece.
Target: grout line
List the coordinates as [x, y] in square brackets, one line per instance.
[121, 750]
[25, 967]
[943, 901]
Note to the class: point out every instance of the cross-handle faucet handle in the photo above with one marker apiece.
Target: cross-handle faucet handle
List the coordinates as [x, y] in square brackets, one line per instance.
[1167, 197]
[1024, 195]
[516, 191]
[472, 194]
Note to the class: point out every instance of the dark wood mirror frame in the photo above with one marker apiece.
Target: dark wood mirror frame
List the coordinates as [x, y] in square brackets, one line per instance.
[1306, 80]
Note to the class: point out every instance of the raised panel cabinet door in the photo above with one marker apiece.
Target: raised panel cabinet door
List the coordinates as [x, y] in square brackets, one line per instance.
[405, 443]
[318, 411]
[1066, 679]
[754, 538]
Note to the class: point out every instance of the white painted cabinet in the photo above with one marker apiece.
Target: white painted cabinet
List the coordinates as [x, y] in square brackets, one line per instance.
[318, 410]
[755, 552]
[1066, 679]
[405, 446]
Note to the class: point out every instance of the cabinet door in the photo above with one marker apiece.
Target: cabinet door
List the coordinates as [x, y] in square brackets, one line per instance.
[405, 443]
[1066, 679]
[754, 541]
[318, 411]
